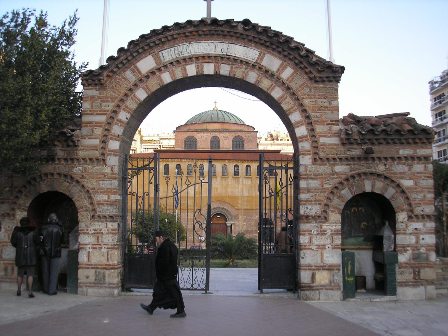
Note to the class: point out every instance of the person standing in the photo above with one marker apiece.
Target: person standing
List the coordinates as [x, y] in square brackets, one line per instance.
[25, 240]
[51, 237]
[166, 292]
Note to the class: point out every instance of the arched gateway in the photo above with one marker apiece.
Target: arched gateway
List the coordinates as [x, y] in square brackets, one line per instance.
[302, 89]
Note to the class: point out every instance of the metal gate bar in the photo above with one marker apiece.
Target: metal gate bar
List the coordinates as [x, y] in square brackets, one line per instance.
[140, 195]
[277, 234]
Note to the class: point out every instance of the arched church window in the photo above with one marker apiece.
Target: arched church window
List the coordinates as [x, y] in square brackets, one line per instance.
[236, 170]
[213, 170]
[224, 170]
[178, 169]
[190, 142]
[201, 170]
[215, 142]
[166, 169]
[189, 169]
[238, 142]
[248, 170]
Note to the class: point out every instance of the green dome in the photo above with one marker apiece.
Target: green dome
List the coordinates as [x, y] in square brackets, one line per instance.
[215, 115]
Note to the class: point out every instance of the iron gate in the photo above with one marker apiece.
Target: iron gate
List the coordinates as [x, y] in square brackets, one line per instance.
[191, 193]
[179, 202]
[140, 217]
[278, 219]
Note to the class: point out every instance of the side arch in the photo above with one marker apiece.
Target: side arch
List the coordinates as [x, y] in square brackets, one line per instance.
[358, 183]
[63, 183]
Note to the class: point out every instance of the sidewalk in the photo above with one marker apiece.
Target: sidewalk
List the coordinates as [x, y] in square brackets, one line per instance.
[234, 306]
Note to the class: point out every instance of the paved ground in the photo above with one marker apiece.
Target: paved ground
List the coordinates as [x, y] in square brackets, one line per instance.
[233, 307]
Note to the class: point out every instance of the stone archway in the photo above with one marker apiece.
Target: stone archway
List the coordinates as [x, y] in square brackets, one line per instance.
[283, 73]
[300, 87]
[367, 182]
[384, 196]
[76, 207]
[51, 182]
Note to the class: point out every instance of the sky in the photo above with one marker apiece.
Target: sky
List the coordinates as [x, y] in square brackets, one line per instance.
[390, 49]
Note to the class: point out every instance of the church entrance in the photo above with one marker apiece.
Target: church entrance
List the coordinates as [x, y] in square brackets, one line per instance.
[368, 221]
[219, 225]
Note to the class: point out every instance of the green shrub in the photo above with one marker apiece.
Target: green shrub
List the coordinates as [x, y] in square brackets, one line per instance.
[143, 227]
[232, 248]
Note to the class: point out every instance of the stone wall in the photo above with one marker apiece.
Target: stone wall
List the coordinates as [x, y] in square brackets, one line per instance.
[301, 88]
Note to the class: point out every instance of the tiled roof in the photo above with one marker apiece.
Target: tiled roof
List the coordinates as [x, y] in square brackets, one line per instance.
[389, 128]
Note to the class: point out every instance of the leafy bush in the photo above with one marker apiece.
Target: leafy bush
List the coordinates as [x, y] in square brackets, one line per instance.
[232, 248]
[143, 226]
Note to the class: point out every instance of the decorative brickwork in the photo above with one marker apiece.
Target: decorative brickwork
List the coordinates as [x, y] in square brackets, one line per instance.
[301, 88]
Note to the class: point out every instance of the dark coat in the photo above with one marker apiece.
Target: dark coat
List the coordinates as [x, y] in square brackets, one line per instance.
[51, 240]
[166, 261]
[25, 240]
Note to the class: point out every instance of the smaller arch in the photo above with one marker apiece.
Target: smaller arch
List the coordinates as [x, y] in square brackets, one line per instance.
[63, 183]
[358, 183]
[225, 209]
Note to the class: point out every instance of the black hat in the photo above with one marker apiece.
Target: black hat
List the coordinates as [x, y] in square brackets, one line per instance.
[159, 233]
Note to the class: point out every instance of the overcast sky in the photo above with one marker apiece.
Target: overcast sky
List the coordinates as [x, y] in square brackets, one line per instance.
[390, 48]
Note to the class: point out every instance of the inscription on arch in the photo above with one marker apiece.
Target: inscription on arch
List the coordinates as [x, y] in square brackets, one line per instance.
[209, 47]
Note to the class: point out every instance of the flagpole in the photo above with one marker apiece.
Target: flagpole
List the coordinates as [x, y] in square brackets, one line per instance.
[104, 33]
[176, 205]
[330, 43]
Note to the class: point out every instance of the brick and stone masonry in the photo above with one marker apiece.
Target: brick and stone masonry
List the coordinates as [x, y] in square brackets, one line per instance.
[339, 158]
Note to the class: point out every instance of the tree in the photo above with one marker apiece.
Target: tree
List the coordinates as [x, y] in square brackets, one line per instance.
[38, 81]
[143, 226]
[440, 175]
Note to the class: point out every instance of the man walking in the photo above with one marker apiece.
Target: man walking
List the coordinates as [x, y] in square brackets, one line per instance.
[166, 292]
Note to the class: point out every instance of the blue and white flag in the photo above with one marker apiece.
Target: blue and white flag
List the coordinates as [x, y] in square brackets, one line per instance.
[176, 195]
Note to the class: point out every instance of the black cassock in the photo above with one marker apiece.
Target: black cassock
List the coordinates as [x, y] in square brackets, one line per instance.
[162, 297]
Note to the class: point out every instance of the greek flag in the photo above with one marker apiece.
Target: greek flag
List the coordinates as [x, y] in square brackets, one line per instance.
[176, 195]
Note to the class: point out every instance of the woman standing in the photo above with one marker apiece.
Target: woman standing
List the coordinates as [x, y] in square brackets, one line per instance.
[25, 239]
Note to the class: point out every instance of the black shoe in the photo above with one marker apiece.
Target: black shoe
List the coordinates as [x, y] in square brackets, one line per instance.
[30, 295]
[19, 292]
[179, 314]
[148, 308]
